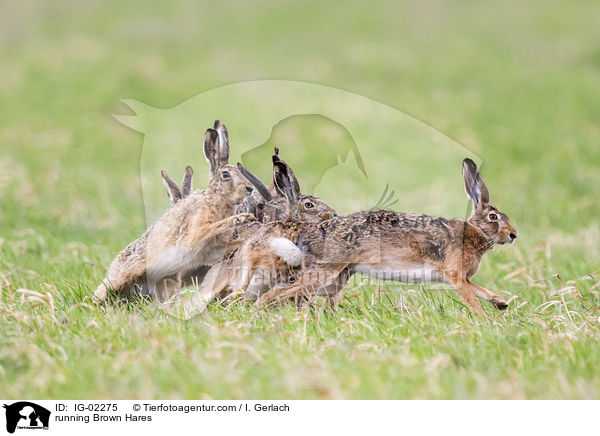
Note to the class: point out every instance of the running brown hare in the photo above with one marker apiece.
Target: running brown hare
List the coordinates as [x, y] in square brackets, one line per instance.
[403, 247]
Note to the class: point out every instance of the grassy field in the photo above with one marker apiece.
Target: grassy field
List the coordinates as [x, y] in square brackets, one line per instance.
[517, 84]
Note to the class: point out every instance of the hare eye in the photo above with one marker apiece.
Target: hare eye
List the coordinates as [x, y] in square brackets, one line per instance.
[309, 205]
[493, 217]
[226, 175]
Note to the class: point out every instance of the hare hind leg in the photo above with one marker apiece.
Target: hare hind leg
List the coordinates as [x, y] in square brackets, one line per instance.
[214, 282]
[311, 282]
[168, 287]
[257, 285]
[128, 268]
[334, 290]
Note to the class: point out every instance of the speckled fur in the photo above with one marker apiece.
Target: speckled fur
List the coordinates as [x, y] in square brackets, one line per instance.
[386, 240]
[283, 217]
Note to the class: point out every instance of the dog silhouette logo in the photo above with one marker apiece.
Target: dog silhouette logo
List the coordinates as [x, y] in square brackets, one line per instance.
[340, 142]
[26, 415]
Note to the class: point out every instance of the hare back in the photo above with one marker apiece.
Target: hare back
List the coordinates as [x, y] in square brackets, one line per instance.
[365, 237]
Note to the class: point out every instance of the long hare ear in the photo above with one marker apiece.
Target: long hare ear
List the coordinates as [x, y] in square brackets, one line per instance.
[223, 142]
[284, 179]
[186, 183]
[210, 148]
[262, 189]
[171, 187]
[291, 174]
[474, 185]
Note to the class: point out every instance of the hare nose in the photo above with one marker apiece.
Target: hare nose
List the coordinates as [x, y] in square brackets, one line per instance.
[513, 236]
[249, 189]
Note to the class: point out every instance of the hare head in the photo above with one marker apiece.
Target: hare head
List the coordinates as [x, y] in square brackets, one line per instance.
[494, 224]
[283, 200]
[226, 180]
[304, 208]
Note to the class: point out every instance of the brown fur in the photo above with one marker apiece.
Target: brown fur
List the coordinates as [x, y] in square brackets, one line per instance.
[250, 252]
[384, 240]
[192, 233]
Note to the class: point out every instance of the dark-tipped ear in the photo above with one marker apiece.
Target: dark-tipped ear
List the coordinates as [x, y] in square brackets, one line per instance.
[171, 187]
[285, 182]
[223, 141]
[282, 182]
[475, 188]
[262, 189]
[187, 182]
[284, 179]
[211, 153]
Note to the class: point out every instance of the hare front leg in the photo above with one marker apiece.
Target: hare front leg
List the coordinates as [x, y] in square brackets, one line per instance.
[463, 287]
[487, 295]
[196, 248]
[204, 234]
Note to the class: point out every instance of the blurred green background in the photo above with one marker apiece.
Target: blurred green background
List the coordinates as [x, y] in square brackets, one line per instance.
[515, 83]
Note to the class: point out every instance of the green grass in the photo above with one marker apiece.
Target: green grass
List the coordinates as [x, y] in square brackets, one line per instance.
[516, 84]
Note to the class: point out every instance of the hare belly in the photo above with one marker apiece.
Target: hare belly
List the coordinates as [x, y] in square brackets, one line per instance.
[170, 261]
[400, 273]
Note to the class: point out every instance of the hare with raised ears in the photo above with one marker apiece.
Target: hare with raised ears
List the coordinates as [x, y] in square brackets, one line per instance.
[192, 233]
[403, 247]
[254, 202]
[266, 254]
[170, 285]
[270, 204]
[175, 194]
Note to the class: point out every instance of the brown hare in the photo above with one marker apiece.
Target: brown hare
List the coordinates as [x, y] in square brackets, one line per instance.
[403, 247]
[192, 233]
[169, 286]
[266, 253]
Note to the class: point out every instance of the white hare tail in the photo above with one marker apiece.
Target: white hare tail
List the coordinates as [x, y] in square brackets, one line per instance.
[286, 250]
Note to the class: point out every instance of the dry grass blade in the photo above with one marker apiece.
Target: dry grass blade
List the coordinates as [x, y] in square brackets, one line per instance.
[16, 317]
[45, 299]
[542, 307]
[75, 306]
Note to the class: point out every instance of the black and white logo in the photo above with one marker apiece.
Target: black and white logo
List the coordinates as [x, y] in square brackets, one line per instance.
[26, 415]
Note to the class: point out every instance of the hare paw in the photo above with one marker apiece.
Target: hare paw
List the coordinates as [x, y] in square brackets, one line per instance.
[499, 303]
[243, 218]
